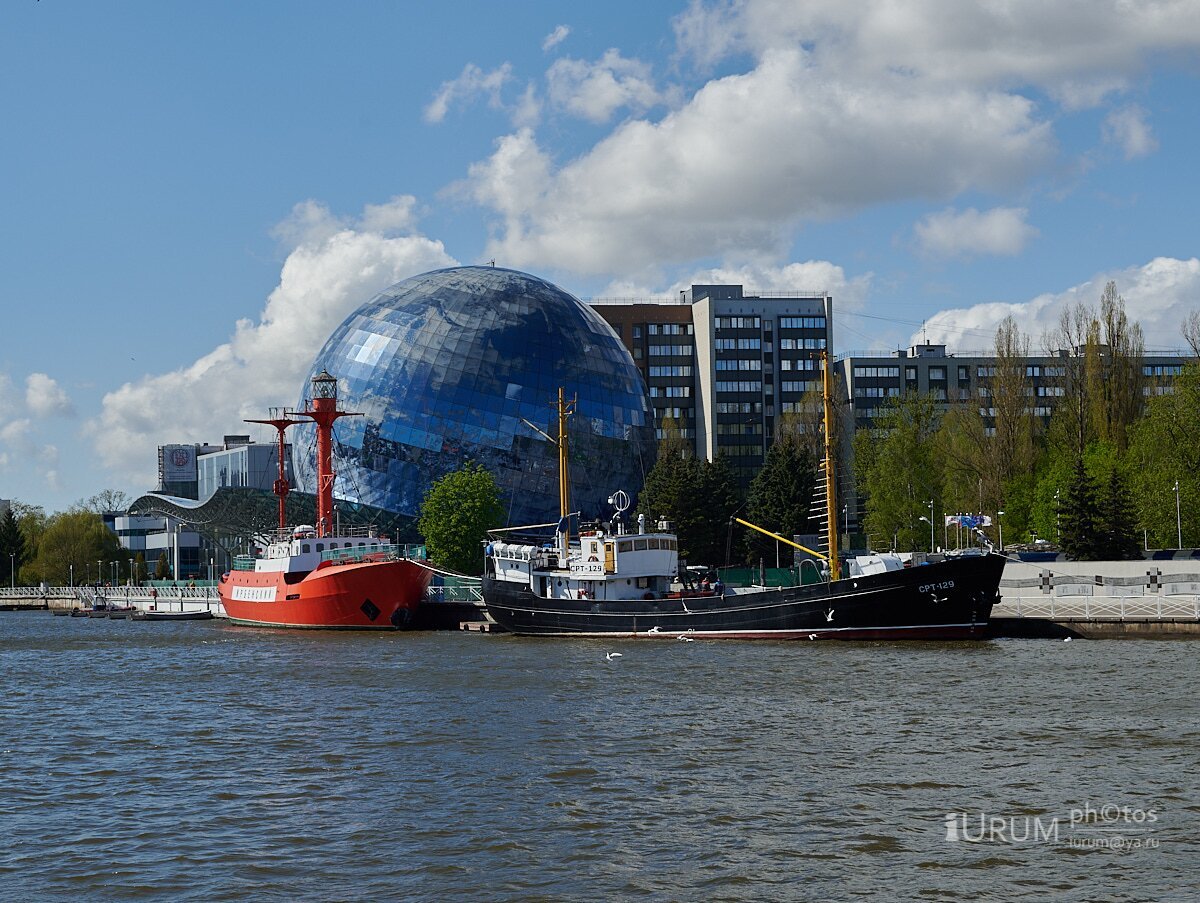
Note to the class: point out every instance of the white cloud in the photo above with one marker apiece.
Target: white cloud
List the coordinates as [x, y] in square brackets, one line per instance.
[47, 466]
[555, 38]
[1159, 295]
[836, 107]
[1078, 50]
[950, 233]
[334, 269]
[470, 82]
[16, 432]
[1128, 129]
[594, 91]
[733, 170]
[809, 276]
[45, 397]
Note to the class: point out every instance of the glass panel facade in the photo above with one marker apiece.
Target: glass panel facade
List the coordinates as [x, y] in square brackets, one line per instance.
[445, 367]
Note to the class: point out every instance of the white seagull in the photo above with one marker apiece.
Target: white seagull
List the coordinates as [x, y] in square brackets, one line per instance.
[609, 656]
[685, 638]
[812, 636]
[1067, 640]
[829, 615]
[654, 629]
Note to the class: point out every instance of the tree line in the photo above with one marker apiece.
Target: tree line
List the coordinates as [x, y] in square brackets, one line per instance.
[1099, 477]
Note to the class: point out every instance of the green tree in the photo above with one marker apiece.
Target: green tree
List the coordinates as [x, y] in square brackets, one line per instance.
[140, 571]
[898, 467]
[1081, 538]
[70, 543]
[456, 515]
[1165, 448]
[12, 546]
[697, 497]
[1118, 520]
[780, 496]
[162, 567]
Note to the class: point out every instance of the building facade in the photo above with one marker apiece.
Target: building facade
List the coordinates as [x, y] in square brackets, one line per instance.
[723, 365]
[198, 471]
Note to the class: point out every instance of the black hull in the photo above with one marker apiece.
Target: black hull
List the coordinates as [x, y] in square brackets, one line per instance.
[950, 600]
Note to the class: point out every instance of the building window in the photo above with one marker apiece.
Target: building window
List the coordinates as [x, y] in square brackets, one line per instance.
[877, 372]
[739, 364]
[637, 332]
[964, 374]
[801, 322]
[739, 386]
[910, 374]
[937, 373]
[985, 371]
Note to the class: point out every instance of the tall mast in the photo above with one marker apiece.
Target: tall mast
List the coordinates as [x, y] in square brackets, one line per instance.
[565, 410]
[281, 419]
[830, 478]
[323, 411]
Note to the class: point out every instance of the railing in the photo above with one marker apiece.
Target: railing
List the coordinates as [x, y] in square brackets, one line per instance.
[382, 552]
[1100, 608]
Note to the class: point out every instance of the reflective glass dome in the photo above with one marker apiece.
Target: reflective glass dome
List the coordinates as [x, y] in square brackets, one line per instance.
[445, 367]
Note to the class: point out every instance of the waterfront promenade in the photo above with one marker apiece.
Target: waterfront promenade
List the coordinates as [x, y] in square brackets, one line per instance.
[169, 598]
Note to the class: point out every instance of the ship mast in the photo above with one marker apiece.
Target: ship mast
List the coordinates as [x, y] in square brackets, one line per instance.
[830, 479]
[565, 410]
[281, 419]
[323, 411]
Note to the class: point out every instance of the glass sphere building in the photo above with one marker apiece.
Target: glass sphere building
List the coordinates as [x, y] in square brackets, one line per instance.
[454, 365]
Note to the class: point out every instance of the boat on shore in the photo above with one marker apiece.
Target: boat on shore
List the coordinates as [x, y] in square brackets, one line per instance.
[316, 576]
[613, 583]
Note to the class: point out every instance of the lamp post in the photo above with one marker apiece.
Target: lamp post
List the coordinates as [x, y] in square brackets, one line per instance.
[71, 572]
[1178, 520]
[1000, 518]
[930, 522]
[131, 571]
[210, 569]
[12, 570]
[1057, 519]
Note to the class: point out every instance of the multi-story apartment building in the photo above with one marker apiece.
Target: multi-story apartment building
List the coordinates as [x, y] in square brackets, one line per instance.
[722, 365]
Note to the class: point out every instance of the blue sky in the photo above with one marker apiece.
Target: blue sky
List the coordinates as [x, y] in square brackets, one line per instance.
[195, 195]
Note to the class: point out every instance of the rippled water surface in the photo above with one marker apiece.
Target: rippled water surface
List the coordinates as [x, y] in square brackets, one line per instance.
[209, 762]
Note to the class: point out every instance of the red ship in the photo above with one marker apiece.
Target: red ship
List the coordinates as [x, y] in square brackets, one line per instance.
[313, 575]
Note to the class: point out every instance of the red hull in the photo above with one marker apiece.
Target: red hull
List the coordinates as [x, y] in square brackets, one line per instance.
[378, 595]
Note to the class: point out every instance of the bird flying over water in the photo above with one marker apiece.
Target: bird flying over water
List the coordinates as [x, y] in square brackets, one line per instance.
[609, 656]
[829, 615]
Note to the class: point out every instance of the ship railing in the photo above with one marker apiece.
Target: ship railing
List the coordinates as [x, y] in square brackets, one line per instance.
[382, 552]
[243, 563]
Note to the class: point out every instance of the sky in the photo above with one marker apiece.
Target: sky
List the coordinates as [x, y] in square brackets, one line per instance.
[196, 194]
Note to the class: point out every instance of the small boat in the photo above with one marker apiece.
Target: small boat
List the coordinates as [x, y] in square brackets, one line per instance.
[61, 612]
[118, 614]
[154, 615]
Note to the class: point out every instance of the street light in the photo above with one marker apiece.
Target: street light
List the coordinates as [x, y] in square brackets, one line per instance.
[210, 569]
[1178, 521]
[1057, 519]
[131, 571]
[12, 570]
[928, 521]
[1000, 517]
[71, 571]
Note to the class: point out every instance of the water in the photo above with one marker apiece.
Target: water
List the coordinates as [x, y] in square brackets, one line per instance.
[201, 761]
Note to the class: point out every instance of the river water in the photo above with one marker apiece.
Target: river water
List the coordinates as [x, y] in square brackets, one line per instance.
[202, 761]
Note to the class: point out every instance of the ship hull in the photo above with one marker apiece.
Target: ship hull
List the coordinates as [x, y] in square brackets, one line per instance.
[381, 595]
[950, 600]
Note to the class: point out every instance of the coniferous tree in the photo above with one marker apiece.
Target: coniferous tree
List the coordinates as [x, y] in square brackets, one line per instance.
[12, 547]
[162, 568]
[1118, 520]
[780, 496]
[1080, 532]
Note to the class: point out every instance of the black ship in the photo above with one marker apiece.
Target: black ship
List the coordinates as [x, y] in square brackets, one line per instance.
[610, 582]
